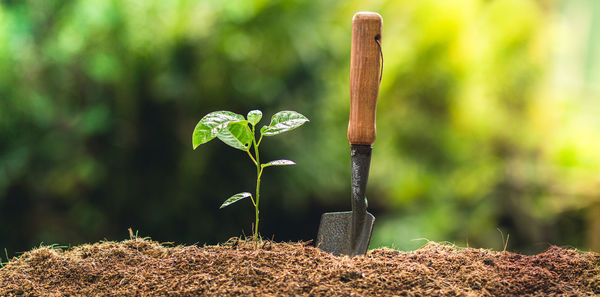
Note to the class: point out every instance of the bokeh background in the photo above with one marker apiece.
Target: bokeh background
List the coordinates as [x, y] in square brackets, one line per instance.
[488, 120]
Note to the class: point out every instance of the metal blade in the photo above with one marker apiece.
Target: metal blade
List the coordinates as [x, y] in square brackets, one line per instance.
[349, 233]
[335, 232]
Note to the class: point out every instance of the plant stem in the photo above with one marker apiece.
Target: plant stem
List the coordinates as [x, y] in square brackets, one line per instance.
[259, 170]
[258, 174]
[256, 206]
[249, 154]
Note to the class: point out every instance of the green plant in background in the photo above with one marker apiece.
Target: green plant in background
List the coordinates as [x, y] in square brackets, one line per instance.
[483, 121]
[237, 132]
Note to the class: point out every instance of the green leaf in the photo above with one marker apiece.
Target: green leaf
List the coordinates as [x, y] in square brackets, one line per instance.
[283, 121]
[254, 116]
[237, 135]
[279, 163]
[235, 198]
[211, 125]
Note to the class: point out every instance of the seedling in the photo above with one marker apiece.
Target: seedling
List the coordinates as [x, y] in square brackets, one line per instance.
[237, 132]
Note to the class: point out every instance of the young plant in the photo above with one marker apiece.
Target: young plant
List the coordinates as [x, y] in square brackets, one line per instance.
[237, 132]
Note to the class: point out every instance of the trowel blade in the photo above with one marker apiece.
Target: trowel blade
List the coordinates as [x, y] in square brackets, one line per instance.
[335, 232]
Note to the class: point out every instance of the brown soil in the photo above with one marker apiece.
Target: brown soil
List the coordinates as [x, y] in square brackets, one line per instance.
[142, 267]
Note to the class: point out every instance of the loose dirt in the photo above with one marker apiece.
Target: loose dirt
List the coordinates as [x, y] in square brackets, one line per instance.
[141, 267]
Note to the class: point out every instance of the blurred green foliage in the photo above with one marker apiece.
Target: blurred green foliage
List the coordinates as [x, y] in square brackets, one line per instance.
[487, 119]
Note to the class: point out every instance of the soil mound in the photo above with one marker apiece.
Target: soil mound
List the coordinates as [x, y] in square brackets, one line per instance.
[141, 267]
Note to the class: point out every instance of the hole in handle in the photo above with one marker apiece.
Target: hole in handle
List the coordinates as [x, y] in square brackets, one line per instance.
[378, 41]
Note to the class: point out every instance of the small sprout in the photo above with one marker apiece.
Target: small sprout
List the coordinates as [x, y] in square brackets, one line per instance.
[239, 133]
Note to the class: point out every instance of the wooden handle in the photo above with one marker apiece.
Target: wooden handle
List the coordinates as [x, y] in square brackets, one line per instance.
[365, 67]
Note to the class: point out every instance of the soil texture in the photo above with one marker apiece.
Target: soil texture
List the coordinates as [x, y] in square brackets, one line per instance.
[141, 267]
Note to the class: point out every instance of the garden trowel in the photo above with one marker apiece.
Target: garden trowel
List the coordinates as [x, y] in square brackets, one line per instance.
[349, 233]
